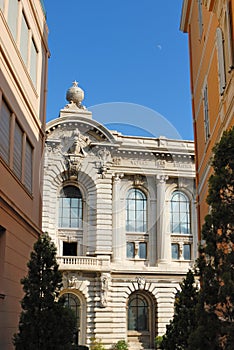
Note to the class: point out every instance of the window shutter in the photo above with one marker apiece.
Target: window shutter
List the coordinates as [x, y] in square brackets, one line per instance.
[13, 16]
[221, 63]
[229, 36]
[18, 145]
[28, 166]
[1, 4]
[24, 40]
[5, 132]
[33, 63]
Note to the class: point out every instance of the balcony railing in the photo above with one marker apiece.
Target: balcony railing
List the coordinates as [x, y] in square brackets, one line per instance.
[83, 263]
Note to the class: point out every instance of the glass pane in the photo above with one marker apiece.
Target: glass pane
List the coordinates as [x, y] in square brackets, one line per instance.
[187, 252]
[33, 63]
[130, 250]
[5, 116]
[13, 16]
[74, 202]
[142, 319]
[18, 144]
[24, 40]
[28, 166]
[74, 223]
[66, 202]
[142, 250]
[66, 212]
[65, 222]
[132, 319]
[175, 251]
[74, 213]
[136, 211]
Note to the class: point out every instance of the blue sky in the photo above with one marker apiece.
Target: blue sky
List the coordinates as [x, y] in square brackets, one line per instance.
[123, 53]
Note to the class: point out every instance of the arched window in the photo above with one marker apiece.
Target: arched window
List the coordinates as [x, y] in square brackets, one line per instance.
[70, 207]
[135, 211]
[180, 213]
[73, 302]
[138, 313]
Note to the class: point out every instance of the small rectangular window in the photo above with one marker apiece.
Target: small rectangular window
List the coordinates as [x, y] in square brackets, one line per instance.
[200, 18]
[221, 62]
[206, 114]
[24, 36]
[69, 248]
[142, 250]
[187, 252]
[175, 251]
[130, 250]
[33, 63]
[5, 119]
[1, 4]
[230, 37]
[28, 166]
[13, 16]
[18, 147]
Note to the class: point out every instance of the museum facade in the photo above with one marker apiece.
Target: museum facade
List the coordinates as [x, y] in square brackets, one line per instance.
[121, 212]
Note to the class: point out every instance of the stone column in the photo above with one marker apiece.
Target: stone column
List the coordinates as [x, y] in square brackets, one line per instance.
[161, 217]
[117, 230]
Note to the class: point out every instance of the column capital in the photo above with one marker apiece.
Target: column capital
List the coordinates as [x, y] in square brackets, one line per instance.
[117, 177]
[162, 178]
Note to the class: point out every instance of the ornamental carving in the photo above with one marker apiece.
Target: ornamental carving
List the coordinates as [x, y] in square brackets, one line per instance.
[71, 280]
[141, 282]
[138, 180]
[105, 160]
[105, 278]
[76, 153]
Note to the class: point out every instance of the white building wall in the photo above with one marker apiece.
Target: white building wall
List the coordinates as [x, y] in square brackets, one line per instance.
[104, 168]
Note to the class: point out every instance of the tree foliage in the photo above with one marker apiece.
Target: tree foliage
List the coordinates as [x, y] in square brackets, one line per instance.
[183, 322]
[45, 323]
[211, 321]
[215, 312]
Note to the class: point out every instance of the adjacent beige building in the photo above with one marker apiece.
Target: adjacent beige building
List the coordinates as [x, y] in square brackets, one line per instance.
[121, 211]
[210, 28]
[23, 80]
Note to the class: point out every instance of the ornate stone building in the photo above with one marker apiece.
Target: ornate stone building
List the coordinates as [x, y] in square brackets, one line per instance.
[121, 212]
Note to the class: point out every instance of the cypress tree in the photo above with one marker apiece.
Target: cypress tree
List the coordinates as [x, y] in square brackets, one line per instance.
[45, 323]
[215, 312]
[183, 322]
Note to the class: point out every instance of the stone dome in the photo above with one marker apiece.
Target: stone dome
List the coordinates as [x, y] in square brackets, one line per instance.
[75, 94]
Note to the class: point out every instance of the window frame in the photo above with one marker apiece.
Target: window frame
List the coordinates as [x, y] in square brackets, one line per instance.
[136, 297]
[180, 223]
[79, 208]
[206, 112]
[132, 210]
[221, 60]
[5, 148]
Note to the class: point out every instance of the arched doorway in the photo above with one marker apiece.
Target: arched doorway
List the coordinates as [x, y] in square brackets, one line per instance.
[73, 302]
[141, 319]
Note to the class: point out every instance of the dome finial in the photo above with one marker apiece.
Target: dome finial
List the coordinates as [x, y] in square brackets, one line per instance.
[75, 94]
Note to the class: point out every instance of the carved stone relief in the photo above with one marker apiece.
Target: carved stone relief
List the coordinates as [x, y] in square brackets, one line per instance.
[105, 278]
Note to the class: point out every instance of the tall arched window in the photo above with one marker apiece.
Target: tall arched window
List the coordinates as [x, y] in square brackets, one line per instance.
[73, 302]
[70, 207]
[135, 211]
[138, 313]
[180, 213]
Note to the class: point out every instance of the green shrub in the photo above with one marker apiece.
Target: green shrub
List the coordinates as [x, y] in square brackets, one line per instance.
[96, 344]
[121, 345]
[158, 341]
